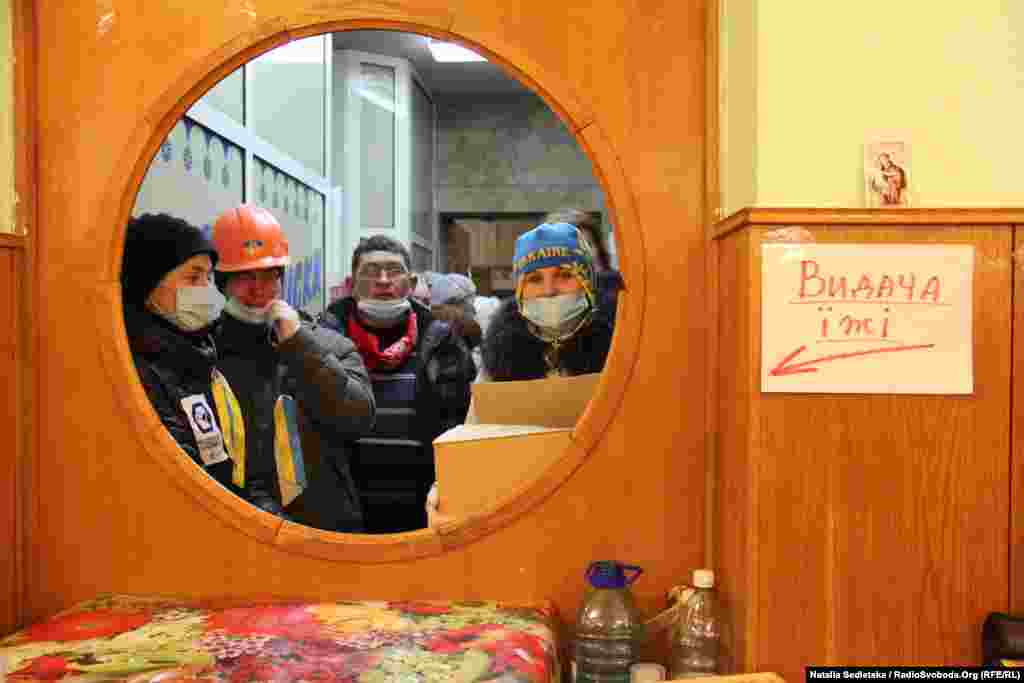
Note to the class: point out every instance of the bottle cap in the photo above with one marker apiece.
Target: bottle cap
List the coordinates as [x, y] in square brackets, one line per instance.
[646, 672]
[703, 578]
[611, 574]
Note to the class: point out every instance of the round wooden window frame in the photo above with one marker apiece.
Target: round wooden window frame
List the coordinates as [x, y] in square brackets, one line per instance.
[142, 145]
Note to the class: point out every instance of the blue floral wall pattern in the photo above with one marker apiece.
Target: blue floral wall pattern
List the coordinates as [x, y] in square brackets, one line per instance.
[196, 174]
[290, 201]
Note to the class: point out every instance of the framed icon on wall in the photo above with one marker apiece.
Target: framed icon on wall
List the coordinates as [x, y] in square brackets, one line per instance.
[887, 173]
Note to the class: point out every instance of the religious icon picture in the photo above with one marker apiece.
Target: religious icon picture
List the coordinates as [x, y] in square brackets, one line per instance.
[887, 173]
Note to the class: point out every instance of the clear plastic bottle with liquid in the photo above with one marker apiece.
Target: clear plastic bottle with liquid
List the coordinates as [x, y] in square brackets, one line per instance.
[609, 627]
[696, 642]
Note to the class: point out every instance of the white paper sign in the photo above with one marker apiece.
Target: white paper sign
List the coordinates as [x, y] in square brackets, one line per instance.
[867, 318]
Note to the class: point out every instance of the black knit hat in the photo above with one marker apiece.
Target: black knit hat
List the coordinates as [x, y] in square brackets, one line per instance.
[154, 245]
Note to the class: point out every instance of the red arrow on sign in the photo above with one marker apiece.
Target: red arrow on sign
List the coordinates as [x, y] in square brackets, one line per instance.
[785, 368]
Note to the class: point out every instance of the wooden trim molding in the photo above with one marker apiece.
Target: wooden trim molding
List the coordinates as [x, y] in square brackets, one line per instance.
[23, 32]
[712, 207]
[9, 241]
[108, 233]
[822, 217]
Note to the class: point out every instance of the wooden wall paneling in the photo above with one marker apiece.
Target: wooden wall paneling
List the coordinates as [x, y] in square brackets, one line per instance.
[712, 204]
[921, 494]
[877, 521]
[10, 465]
[18, 367]
[1016, 598]
[112, 518]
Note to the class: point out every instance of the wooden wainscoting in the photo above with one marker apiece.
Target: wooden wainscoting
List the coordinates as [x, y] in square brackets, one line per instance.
[17, 335]
[866, 529]
[13, 408]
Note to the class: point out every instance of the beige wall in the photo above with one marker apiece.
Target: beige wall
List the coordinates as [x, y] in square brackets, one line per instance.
[737, 105]
[819, 79]
[6, 121]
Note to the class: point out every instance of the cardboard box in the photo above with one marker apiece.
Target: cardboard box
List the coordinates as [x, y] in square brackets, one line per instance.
[515, 432]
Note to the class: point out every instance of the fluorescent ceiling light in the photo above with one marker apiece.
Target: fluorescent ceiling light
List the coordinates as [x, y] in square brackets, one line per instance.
[305, 51]
[450, 52]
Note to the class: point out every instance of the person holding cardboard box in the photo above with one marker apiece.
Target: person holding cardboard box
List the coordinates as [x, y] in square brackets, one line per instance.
[554, 326]
[421, 372]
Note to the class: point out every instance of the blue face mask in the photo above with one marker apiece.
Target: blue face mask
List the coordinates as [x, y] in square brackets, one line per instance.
[558, 316]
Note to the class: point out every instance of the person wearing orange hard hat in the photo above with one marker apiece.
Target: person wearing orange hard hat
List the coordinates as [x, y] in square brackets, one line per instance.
[301, 389]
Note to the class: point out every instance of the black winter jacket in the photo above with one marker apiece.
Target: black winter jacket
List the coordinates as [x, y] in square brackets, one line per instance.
[173, 365]
[323, 372]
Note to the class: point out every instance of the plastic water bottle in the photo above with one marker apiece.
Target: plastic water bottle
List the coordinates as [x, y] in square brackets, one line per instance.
[609, 627]
[697, 639]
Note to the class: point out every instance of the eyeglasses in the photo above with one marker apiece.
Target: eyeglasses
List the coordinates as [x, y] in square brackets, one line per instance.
[373, 271]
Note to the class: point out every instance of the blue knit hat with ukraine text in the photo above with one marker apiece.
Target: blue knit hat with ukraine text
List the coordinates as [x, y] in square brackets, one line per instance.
[555, 244]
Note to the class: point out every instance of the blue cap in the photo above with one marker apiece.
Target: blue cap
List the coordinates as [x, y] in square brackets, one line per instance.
[551, 244]
[611, 574]
[556, 244]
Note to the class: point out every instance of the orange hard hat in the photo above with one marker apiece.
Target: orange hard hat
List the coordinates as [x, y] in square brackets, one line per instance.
[248, 237]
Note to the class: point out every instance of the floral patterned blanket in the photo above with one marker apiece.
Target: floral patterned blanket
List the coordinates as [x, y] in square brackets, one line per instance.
[160, 640]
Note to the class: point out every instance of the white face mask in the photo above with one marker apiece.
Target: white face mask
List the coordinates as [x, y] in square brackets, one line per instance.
[247, 314]
[195, 307]
[556, 316]
[383, 312]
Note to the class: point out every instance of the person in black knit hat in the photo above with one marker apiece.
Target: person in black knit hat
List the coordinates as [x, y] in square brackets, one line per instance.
[170, 304]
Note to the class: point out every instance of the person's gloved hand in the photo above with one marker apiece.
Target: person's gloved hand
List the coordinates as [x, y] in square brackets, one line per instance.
[267, 503]
[435, 517]
[283, 319]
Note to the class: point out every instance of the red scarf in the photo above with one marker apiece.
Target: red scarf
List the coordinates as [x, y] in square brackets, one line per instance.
[368, 345]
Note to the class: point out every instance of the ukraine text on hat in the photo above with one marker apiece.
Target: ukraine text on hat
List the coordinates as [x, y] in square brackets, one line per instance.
[543, 253]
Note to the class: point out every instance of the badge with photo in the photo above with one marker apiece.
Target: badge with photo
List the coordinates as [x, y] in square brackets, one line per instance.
[887, 173]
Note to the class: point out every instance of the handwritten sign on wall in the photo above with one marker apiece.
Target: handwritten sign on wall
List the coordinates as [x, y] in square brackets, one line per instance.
[867, 318]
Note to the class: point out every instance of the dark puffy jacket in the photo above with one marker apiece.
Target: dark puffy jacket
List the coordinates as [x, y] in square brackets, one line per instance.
[173, 365]
[445, 369]
[323, 372]
[511, 352]
[609, 284]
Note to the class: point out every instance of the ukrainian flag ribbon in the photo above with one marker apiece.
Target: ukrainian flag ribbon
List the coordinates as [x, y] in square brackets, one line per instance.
[232, 426]
[291, 470]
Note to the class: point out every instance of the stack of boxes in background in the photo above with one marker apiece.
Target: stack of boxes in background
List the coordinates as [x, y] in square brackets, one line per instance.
[484, 248]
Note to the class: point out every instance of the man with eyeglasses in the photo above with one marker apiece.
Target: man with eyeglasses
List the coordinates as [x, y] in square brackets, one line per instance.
[421, 373]
[301, 390]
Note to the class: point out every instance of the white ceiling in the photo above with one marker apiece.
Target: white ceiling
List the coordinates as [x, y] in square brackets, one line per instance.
[470, 78]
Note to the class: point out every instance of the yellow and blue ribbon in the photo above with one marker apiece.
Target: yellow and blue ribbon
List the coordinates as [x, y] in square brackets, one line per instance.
[291, 470]
[232, 426]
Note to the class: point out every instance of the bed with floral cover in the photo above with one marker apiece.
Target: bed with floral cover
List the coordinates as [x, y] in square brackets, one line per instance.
[161, 640]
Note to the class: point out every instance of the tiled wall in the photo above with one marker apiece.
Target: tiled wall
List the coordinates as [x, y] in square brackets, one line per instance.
[509, 154]
[198, 174]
